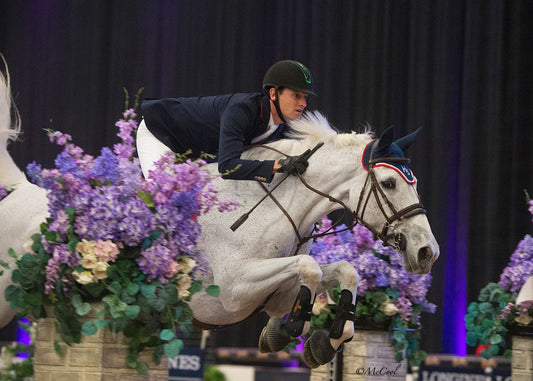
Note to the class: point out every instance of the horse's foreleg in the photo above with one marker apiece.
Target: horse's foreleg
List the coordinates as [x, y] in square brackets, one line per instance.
[322, 346]
[343, 274]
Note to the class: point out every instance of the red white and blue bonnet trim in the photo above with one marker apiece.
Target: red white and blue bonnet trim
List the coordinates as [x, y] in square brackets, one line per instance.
[394, 151]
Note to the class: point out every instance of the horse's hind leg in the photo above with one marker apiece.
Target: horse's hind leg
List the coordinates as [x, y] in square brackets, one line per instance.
[322, 346]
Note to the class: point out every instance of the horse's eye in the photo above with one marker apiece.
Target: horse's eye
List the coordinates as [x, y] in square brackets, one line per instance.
[388, 184]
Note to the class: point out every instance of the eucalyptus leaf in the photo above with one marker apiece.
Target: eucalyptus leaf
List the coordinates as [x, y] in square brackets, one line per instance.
[76, 300]
[173, 348]
[133, 288]
[142, 367]
[213, 290]
[12, 253]
[88, 328]
[166, 334]
[148, 290]
[83, 309]
[132, 312]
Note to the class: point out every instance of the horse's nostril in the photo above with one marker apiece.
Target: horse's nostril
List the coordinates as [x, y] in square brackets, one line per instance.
[424, 254]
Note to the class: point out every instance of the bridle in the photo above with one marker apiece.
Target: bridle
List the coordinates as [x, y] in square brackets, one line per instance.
[370, 188]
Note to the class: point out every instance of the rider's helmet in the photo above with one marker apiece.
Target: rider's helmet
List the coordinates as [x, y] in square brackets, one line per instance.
[290, 74]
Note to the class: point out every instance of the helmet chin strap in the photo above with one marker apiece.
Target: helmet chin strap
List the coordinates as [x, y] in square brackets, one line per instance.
[276, 105]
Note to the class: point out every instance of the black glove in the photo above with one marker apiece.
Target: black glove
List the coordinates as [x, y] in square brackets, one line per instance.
[293, 165]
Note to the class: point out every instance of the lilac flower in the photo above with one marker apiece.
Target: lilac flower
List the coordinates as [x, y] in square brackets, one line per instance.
[154, 261]
[3, 192]
[33, 171]
[105, 167]
[187, 203]
[61, 223]
[520, 266]
[66, 164]
[59, 138]
[63, 255]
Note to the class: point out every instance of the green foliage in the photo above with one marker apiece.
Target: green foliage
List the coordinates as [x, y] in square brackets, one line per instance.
[212, 373]
[483, 325]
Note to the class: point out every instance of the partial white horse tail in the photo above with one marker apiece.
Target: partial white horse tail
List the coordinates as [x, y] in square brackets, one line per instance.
[10, 174]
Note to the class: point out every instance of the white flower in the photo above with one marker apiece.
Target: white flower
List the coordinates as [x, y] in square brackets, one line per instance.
[85, 277]
[183, 285]
[389, 309]
[89, 261]
[187, 264]
[321, 304]
[100, 270]
[86, 247]
[524, 319]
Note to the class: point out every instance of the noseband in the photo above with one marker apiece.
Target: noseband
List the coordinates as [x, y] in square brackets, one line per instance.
[371, 187]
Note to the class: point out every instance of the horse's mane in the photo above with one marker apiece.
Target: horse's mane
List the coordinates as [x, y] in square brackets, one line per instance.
[305, 132]
[9, 124]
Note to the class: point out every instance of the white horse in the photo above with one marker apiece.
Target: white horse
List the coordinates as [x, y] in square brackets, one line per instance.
[24, 209]
[262, 264]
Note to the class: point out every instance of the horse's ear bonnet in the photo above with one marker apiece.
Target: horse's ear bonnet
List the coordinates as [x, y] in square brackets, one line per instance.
[388, 148]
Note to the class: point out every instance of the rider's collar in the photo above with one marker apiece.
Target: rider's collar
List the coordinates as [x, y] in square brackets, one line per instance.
[394, 152]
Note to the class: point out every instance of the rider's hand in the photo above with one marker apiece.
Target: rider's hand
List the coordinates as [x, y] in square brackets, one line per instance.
[293, 165]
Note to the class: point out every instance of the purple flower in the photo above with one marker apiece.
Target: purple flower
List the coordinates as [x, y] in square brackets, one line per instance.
[520, 266]
[3, 192]
[33, 171]
[105, 167]
[154, 261]
[65, 163]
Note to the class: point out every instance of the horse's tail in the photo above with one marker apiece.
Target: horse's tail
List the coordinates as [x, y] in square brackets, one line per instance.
[10, 127]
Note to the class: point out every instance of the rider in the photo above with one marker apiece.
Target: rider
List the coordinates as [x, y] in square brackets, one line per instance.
[224, 124]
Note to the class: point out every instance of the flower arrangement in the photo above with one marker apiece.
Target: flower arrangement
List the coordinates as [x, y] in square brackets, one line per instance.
[118, 239]
[495, 314]
[388, 297]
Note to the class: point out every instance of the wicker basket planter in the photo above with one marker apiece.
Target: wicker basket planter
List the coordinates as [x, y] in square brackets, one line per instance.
[98, 357]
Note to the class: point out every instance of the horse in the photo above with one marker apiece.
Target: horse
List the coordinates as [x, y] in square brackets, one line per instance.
[261, 262]
[25, 208]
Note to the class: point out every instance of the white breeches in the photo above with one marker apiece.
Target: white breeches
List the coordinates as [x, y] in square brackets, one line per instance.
[149, 148]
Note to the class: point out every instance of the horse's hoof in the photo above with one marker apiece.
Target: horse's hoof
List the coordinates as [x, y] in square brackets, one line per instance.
[274, 336]
[318, 350]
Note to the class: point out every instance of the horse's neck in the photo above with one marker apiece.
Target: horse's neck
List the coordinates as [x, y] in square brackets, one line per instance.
[332, 172]
[10, 174]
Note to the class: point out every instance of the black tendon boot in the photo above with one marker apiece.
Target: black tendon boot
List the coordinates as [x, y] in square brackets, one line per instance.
[300, 313]
[345, 312]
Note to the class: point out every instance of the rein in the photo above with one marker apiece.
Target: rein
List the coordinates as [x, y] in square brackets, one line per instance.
[375, 189]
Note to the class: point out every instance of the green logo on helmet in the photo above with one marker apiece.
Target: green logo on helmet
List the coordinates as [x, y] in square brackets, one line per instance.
[305, 71]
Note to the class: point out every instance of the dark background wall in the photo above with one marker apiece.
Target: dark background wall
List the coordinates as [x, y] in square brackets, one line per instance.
[459, 69]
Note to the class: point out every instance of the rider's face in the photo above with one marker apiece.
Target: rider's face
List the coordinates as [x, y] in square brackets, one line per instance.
[292, 103]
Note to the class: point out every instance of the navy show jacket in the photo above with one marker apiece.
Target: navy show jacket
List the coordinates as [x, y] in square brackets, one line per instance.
[220, 125]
